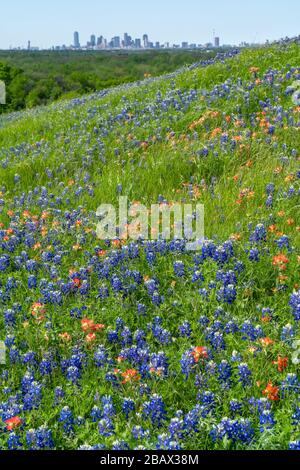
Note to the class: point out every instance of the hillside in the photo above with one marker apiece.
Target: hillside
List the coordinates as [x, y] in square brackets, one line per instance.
[127, 345]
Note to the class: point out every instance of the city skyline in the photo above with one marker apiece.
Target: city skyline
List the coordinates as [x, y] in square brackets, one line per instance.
[168, 21]
[129, 42]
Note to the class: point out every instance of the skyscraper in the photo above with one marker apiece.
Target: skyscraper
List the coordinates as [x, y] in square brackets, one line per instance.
[217, 42]
[145, 41]
[93, 40]
[76, 40]
[137, 43]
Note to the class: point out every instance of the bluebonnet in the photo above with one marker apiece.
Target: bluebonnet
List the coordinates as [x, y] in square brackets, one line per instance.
[165, 442]
[254, 255]
[296, 417]
[245, 374]
[179, 268]
[139, 432]
[101, 356]
[14, 441]
[235, 430]
[66, 417]
[128, 406]
[235, 406]
[290, 384]
[295, 304]
[259, 235]
[266, 420]
[185, 329]
[154, 409]
[33, 396]
[224, 373]
[288, 333]
[295, 445]
[176, 428]
[227, 294]
[106, 427]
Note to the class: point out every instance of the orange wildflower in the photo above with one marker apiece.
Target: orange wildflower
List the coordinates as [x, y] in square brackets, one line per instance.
[13, 423]
[199, 352]
[66, 337]
[130, 375]
[90, 338]
[266, 341]
[271, 392]
[282, 363]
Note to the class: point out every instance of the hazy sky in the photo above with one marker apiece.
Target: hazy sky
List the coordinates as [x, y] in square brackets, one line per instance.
[52, 22]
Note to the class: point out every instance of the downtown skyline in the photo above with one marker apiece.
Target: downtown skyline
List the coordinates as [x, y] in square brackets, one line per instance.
[169, 21]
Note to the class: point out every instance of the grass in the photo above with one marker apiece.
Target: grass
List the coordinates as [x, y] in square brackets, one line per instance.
[216, 135]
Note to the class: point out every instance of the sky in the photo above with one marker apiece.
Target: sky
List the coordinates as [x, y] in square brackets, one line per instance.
[52, 22]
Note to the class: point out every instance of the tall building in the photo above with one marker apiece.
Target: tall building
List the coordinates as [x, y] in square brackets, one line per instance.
[116, 42]
[126, 40]
[137, 43]
[145, 41]
[217, 42]
[93, 40]
[76, 40]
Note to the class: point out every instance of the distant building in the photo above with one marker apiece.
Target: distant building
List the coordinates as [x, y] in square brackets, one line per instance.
[28, 45]
[127, 40]
[138, 43]
[157, 45]
[116, 42]
[76, 40]
[185, 45]
[217, 42]
[93, 40]
[145, 41]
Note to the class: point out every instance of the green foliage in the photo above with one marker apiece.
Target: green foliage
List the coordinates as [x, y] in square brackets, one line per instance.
[38, 78]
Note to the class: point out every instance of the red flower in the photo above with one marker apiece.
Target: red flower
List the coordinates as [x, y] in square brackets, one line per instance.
[199, 352]
[90, 338]
[282, 363]
[281, 261]
[13, 423]
[87, 325]
[130, 375]
[271, 392]
[266, 341]
[76, 282]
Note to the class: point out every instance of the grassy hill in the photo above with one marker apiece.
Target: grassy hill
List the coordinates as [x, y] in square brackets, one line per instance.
[144, 344]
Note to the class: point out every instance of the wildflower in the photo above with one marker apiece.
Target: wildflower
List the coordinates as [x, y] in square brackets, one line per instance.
[130, 375]
[266, 342]
[13, 423]
[198, 353]
[245, 374]
[282, 363]
[66, 337]
[295, 305]
[266, 420]
[154, 409]
[271, 392]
